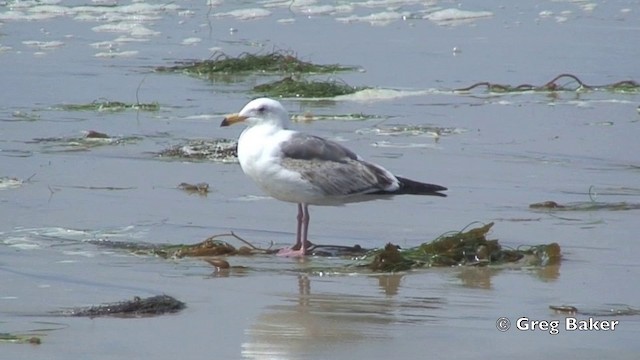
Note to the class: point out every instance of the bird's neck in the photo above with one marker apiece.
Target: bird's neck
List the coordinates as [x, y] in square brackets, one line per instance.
[263, 129]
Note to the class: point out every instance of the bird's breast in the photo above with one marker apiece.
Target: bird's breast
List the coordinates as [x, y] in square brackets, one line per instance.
[257, 152]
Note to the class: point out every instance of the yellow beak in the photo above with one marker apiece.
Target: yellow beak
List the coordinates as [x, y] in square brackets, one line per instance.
[232, 119]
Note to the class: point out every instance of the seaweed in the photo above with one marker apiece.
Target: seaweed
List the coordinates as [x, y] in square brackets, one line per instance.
[113, 106]
[624, 86]
[20, 339]
[291, 87]
[137, 307]
[222, 150]
[308, 117]
[201, 189]
[469, 248]
[90, 140]
[584, 206]
[208, 247]
[390, 259]
[612, 310]
[212, 246]
[274, 62]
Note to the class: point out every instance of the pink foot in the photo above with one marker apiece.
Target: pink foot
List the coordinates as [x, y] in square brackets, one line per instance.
[289, 252]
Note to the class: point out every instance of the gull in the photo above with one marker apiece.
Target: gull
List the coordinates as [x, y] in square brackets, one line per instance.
[308, 170]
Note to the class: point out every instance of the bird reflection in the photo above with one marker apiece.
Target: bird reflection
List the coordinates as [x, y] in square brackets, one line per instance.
[309, 322]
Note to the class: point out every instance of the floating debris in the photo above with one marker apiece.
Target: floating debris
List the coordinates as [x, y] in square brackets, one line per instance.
[308, 117]
[546, 205]
[91, 134]
[10, 183]
[222, 150]
[460, 248]
[585, 206]
[91, 139]
[470, 248]
[212, 246]
[615, 310]
[209, 247]
[138, 307]
[390, 259]
[111, 106]
[412, 130]
[274, 62]
[290, 87]
[107, 188]
[20, 339]
[199, 188]
[625, 86]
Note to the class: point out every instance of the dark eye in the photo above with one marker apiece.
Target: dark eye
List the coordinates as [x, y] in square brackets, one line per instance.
[262, 109]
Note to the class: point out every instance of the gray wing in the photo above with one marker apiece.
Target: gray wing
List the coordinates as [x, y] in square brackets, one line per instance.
[332, 168]
[308, 147]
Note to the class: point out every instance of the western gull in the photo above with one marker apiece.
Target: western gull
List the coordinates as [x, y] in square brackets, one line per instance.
[309, 170]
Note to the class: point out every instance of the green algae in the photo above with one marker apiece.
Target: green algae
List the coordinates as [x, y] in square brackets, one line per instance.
[290, 87]
[468, 248]
[20, 339]
[246, 63]
[112, 106]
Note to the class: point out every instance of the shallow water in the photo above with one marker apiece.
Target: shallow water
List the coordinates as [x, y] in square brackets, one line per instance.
[496, 153]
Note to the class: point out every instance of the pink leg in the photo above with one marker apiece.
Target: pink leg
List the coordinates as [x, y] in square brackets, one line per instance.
[302, 243]
[299, 229]
[305, 228]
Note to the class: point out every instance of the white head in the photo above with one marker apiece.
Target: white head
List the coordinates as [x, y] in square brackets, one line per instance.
[260, 111]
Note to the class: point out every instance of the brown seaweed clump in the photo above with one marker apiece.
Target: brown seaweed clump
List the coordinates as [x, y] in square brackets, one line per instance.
[390, 259]
[584, 206]
[546, 205]
[138, 307]
[208, 247]
[201, 189]
[460, 248]
[463, 248]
